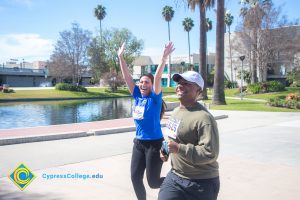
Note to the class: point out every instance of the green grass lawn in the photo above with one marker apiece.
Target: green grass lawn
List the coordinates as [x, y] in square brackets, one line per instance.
[52, 93]
[248, 105]
[235, 93]
[232, 104]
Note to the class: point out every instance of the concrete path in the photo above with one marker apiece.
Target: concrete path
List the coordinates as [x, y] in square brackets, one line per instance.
[259, 159]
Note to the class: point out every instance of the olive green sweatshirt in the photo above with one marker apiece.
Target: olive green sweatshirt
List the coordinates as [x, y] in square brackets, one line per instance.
[196, 132]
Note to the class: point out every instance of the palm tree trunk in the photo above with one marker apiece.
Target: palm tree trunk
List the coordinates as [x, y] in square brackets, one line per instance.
[254, 58]
[219, 95]
[202, 53]
[189, 48]
[169, 64]
[230, 53]
[100, 35]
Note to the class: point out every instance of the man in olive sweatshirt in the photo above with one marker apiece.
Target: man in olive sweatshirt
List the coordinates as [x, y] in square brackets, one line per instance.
[193, 145]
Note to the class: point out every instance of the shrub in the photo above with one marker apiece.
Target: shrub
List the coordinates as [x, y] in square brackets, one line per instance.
[254, 88]
[292, 104]
[275, 86]
[289, 101]
[7, 90]
[292, 96]
[269, 86]
[277, 102]
[70, 87]
[244, 89]
[113, 80]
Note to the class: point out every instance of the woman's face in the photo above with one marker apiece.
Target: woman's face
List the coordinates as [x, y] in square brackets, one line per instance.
[145, 85]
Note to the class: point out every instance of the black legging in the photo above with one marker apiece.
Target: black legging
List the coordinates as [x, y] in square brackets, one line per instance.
[145, 155]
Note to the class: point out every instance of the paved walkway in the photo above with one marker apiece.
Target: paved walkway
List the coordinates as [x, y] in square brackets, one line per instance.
[259, 159]
[64, 131]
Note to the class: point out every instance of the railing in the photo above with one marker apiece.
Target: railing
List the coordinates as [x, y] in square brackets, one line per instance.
[17, 69]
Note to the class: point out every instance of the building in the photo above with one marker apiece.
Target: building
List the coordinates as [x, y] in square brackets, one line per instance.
[180, 64]
[35, 74]
[22, 77]
[276, 67]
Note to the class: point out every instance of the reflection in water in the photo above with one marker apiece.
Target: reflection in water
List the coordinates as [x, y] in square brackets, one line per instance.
[16, 115]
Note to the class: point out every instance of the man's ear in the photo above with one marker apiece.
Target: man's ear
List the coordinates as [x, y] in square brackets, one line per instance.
[199, 90]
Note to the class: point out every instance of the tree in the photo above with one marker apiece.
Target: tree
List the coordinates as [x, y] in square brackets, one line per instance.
[97, 60]
[71, 48]
[253, 13]
[60, 68]
[112, 40]
[228, 22]
[219, 94]
[168, 14]
[188, 24]
[209, 76]
[100, 13]
[203, 5]
[269, 41]
[208, 25]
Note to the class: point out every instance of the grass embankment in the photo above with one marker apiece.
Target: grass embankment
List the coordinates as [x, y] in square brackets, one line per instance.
[52, 93]
[248, 105]
[232, 104]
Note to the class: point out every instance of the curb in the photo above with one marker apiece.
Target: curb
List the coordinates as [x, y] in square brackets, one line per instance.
[69, 135]
[39, 138]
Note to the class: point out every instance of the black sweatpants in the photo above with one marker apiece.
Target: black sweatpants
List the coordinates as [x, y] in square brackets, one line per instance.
[175, 187]
[146, 155]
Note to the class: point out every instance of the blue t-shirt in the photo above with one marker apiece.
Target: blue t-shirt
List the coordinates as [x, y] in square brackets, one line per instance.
[146, 114]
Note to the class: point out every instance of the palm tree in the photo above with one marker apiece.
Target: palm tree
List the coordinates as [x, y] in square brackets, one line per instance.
[168, 14]
[219, 95]
[252, 13]
[208, 25]
[208, 28]
[228, 22]
[100, 13]
[188, 24]
[203, 5]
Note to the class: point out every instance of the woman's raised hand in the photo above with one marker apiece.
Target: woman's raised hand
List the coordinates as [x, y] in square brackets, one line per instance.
[169, 48]
[121, 50]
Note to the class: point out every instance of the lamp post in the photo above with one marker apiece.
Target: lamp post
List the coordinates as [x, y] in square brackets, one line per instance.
[242, 75]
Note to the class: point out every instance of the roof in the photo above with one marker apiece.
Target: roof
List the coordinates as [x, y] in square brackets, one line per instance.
[142, 61]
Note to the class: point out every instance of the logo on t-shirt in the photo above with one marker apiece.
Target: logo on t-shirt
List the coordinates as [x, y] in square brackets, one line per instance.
[138, 110]
[172, 127]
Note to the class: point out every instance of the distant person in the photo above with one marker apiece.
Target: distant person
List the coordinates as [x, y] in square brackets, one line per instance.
[193, 145]
[147, 112]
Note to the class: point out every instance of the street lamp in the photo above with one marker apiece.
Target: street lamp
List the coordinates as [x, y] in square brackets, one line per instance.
[242, 76]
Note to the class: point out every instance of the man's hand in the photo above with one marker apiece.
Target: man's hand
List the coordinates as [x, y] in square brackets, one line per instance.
[173, 146]
[163, 157]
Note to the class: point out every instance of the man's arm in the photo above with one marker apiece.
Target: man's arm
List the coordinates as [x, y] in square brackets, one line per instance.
[206, 151]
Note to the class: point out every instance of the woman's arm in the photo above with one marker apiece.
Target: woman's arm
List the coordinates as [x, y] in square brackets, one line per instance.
[126, 74]
[158, 74]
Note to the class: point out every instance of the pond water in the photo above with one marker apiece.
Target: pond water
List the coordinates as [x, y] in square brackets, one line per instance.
[31, 114]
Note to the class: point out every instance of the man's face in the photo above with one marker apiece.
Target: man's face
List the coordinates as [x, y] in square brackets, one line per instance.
[186, 90]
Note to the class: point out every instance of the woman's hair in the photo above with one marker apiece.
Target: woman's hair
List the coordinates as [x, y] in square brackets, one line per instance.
[149, 75]
[163, 109]
[163, 105]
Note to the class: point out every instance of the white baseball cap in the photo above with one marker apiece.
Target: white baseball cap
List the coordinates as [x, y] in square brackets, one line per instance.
[190, 76]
